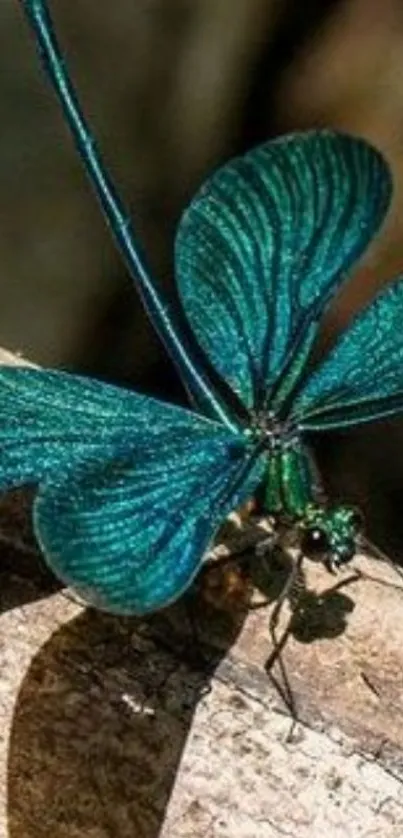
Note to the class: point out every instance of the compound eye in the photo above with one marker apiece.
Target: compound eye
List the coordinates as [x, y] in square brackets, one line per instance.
[315, 543]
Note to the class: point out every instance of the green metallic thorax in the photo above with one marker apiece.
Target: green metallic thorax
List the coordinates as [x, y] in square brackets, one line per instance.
[291, 489]
[289, 485]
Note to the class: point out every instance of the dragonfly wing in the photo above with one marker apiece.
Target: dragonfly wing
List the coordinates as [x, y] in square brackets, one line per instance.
[50, 421]
[264, 246]
[130, 536]
[131, 490]
[361, 379]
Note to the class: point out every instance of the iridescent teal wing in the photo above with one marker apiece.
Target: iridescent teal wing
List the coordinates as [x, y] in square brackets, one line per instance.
[51, 420]
[131, 490]
[130, 535]
[264, 246]
[361, 379]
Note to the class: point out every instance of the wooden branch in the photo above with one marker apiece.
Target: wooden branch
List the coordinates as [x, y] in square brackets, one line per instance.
[133, 729]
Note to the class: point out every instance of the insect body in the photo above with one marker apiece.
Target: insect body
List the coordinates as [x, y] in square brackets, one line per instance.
[291, 490]
[131, 491]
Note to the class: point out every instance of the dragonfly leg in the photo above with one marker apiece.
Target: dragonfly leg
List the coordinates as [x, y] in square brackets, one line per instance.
[283, 685]
[278, 644]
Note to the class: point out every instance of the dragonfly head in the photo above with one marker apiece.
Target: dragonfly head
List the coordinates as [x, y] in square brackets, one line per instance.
[329, 534]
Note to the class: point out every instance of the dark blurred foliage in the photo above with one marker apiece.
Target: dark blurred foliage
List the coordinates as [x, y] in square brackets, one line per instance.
[173, 88]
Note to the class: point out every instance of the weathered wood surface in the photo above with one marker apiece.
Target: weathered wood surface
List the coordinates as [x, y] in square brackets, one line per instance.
[120, 727]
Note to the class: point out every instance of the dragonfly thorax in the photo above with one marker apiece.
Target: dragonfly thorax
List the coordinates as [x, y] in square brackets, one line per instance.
[293, 494]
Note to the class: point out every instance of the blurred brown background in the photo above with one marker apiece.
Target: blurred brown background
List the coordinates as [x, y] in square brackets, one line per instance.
[173, 88]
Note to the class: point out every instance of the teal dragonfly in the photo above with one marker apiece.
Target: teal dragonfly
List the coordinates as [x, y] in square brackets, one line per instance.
[131, 491]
